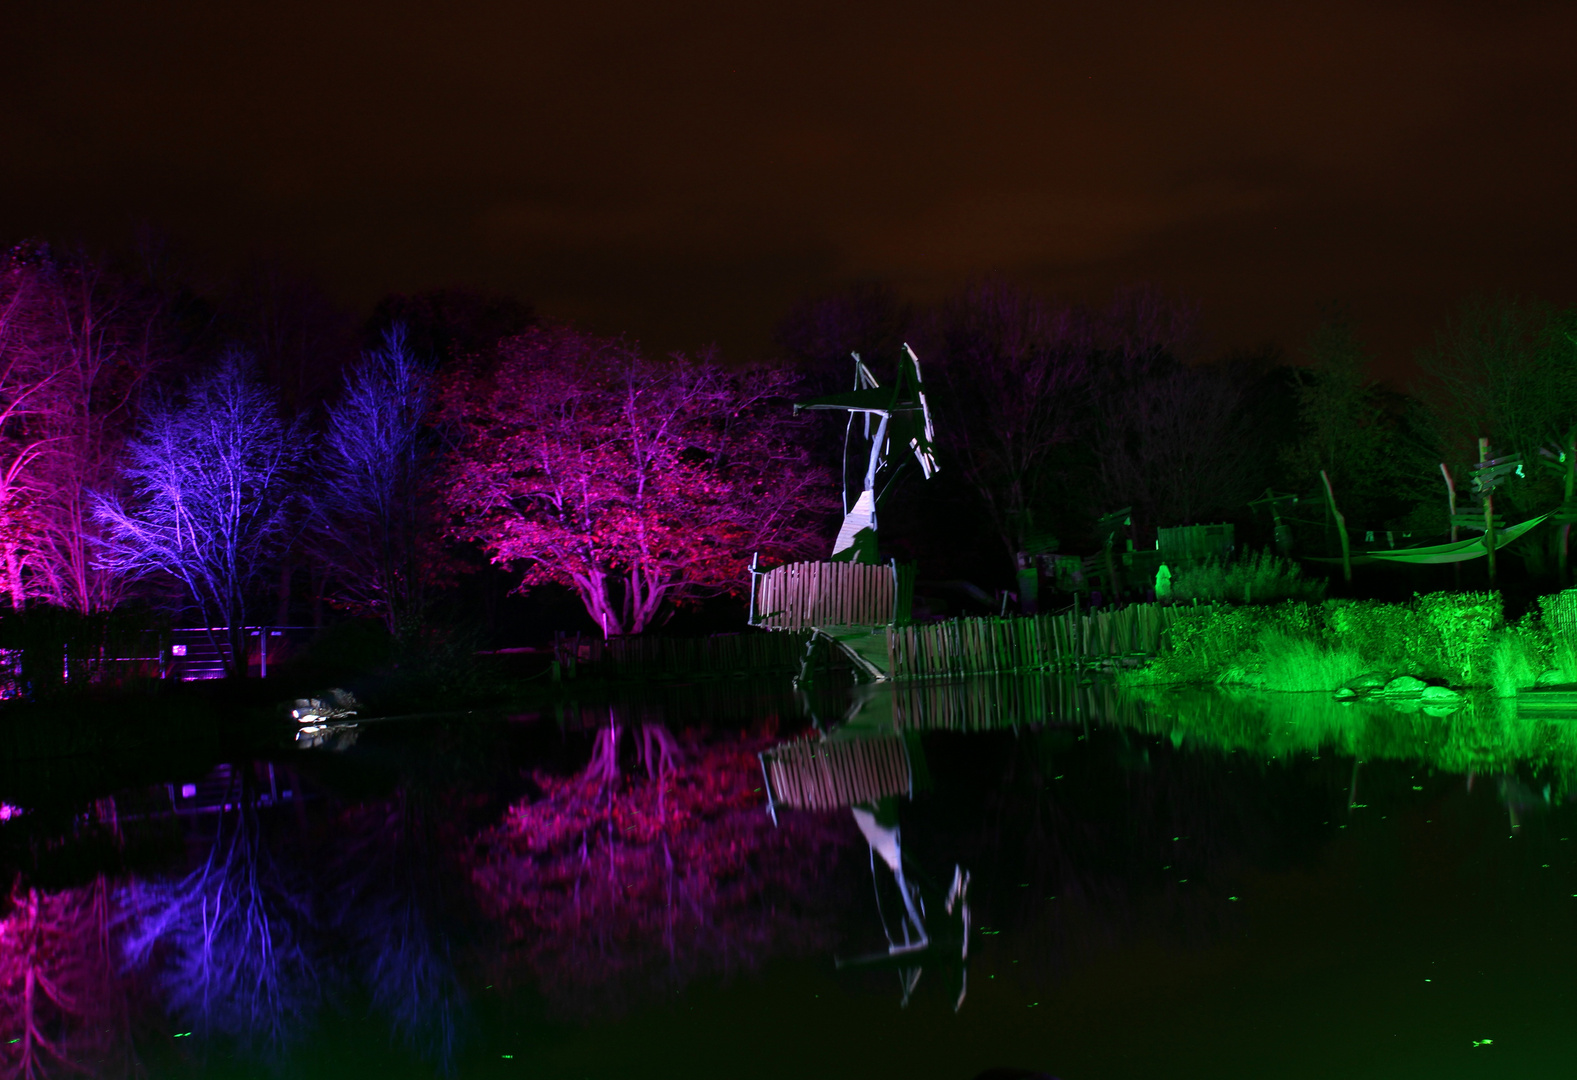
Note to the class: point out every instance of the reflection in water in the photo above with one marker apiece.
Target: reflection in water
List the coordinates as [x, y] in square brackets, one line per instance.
[1480, 734]
[863, 764]
[228, 945]
[61, 1003]
[396, 904]
[616, 860]
[616, 881]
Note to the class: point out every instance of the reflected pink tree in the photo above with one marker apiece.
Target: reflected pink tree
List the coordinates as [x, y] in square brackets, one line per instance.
[61, 1005]
[624, 880]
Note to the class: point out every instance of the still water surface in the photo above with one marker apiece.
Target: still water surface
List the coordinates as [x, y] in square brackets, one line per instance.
[732, 881]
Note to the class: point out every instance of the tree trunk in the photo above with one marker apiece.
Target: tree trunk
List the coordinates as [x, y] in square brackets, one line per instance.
[13, 567]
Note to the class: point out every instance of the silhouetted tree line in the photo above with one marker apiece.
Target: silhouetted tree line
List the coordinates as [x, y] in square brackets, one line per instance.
[1054, 414]
[243, 451]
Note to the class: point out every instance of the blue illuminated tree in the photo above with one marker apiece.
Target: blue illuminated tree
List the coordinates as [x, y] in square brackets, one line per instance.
[374, 518]
[214, 480]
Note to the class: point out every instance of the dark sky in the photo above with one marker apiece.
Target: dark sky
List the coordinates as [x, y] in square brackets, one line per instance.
[683, 172]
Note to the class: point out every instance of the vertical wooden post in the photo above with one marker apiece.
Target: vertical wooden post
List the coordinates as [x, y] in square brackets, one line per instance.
[1489, 513]
[1341, 528]
[1569, 451]
[1451, 499]
[1451, 502]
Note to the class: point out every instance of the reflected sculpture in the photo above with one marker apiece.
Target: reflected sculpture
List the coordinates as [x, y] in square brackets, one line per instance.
[864, 764]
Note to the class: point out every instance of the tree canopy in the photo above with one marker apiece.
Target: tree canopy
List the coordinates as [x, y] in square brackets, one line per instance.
[640, 482]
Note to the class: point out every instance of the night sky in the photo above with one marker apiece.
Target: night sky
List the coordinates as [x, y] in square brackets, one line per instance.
[685, 172]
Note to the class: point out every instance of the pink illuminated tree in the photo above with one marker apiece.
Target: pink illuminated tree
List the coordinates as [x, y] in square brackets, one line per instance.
[638, 482]
[77, 344]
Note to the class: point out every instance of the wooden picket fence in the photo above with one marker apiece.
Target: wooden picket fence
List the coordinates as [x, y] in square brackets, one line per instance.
[799, 596]
[982, 646]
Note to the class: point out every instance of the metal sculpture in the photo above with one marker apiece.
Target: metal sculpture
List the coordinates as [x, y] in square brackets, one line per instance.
[901, 412]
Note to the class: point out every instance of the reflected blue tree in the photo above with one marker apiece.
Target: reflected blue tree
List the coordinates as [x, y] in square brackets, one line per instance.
[228, 945]
[397, 907]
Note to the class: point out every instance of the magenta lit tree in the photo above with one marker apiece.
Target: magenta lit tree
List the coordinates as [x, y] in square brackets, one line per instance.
[638, 482]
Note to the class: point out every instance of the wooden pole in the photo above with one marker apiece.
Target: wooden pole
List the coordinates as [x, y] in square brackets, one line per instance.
[1341, 528]
[1451, 502]
[1489, 513]
[1570, 452]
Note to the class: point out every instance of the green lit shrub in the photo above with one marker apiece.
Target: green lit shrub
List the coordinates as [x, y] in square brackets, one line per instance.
[1466, 623]
[1223, 643]
[1297, 646]
[1394, 638]
[1257, 578]
[1205, 641]
[1559, 612]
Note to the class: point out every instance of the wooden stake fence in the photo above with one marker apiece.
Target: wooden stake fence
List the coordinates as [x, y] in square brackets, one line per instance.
[984, 646]
[802, 595]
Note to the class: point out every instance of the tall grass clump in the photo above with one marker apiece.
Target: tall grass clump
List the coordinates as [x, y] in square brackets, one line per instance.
[1257, 578]
[1395, 638]
[1301, 665]
[1515, 661]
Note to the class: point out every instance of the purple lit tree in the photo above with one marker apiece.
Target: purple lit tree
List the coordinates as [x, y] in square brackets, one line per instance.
[213, 479]
[636, 481]
[376, 514]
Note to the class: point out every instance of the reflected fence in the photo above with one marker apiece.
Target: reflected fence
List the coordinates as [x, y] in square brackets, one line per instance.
[871, 750]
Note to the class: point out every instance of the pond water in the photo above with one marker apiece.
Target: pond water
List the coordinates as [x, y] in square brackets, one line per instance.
[733, 880]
